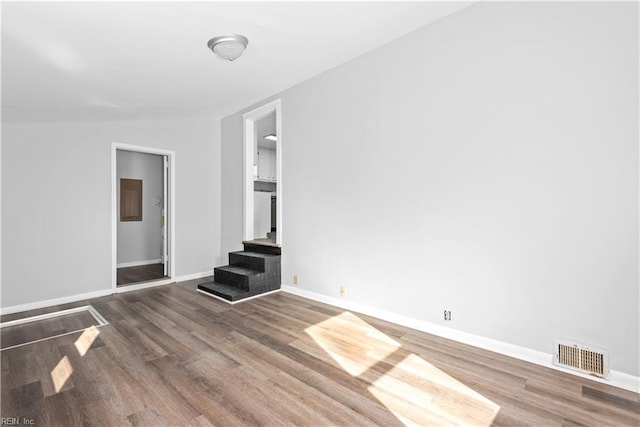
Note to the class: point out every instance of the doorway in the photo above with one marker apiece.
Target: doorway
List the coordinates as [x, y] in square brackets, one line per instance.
[262, 210]
[142, 217]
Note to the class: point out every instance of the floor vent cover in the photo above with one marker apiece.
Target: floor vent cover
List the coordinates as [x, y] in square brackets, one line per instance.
[581, 358]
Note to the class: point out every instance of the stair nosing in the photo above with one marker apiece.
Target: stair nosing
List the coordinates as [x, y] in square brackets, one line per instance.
[241, 295]
[252, 271]
[251, 253]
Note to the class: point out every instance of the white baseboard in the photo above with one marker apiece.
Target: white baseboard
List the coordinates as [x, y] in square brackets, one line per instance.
[151, 284]
[55, 301]
[616, 378]
[139, 263]
[236, 302]
[96, 294]
[168, 281]
[193, 276]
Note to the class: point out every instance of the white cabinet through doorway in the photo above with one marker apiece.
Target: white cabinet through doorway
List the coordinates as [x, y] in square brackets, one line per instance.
[266, 164]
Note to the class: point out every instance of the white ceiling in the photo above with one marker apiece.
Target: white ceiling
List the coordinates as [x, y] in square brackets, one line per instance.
[77, 61]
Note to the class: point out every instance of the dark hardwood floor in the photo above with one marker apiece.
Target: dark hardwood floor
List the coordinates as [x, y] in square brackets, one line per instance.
[171, 356]
[141, 273]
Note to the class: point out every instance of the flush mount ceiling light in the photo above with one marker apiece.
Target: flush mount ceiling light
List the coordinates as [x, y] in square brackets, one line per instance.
[271, 137]
[228, 47]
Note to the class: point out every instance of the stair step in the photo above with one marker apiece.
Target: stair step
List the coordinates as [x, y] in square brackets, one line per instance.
[254, 260]
[263, 248]
[240, 277]
[251, 272]
[227, 292]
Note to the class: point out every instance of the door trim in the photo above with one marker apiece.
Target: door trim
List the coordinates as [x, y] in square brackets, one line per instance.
[249, 118]
[171, 156]
[165, 214]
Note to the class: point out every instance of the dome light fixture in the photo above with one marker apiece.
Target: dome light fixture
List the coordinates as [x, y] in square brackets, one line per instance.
[228, 47]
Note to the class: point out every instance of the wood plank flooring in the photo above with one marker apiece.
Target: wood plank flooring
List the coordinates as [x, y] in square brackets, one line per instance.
[171, 356]
[140, 273]
[32, 331]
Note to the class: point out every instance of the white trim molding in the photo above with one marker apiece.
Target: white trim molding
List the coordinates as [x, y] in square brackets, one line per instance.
[56, 301]
[249, 118]
[101, 293]
[152, 284]
[242, 300]
[616, 378]
[97, 316]
[139, 263]
[92, 311]
[144, 285]
[194, 276]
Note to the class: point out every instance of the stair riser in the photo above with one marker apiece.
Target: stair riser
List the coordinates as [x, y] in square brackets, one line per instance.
[234, 279]
[263, 249]
[253, 262]
[248, 283]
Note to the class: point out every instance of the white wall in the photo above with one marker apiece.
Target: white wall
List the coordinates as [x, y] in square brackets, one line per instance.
[56, 210]
[486, 164]
[140, 241]
[232, 189]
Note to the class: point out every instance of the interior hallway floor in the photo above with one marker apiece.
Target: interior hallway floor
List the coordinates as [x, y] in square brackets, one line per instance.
[141, 273]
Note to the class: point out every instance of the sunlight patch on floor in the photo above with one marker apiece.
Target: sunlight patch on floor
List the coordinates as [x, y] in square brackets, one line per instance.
[411, 388]
[61, 373]
[351, 342]
[433, 395]
[84, 341]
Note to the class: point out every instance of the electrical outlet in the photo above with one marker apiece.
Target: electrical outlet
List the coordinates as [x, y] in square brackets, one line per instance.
[447, 315]
[295, 279]
[343, 291]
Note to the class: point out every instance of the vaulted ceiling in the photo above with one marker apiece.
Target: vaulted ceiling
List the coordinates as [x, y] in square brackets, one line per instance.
[81, 61]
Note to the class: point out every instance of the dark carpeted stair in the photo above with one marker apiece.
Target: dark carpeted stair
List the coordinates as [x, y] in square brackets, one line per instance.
[251, 272]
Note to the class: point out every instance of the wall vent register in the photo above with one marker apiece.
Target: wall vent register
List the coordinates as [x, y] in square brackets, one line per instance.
[581, 358]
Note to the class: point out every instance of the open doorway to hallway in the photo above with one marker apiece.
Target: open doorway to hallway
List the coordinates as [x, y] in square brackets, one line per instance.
[142, 250]
[265, 195]
[141, 227]
[263, 175]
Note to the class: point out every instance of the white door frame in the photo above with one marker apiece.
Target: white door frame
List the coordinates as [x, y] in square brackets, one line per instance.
[165, 214]
[171, 156]
[249, 120]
